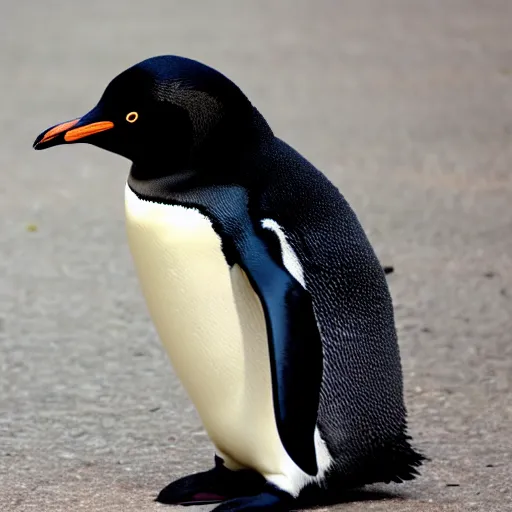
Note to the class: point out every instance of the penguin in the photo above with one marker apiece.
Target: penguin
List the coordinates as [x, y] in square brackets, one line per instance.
[263, 288]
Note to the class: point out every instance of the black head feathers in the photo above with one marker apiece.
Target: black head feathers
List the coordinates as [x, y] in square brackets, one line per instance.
[165, 108]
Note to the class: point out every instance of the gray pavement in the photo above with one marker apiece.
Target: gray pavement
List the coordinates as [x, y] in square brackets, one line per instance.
[405, 104]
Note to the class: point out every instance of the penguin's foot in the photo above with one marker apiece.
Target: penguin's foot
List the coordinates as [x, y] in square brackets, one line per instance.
[217, 484]
[271, 499]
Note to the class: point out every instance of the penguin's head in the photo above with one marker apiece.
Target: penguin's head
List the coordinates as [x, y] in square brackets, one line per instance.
[165, 107]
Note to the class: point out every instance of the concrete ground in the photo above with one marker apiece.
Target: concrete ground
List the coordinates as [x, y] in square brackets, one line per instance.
[405, 104]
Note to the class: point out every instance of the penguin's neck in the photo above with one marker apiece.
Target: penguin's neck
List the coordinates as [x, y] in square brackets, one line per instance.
[161, 188]
[147, 176]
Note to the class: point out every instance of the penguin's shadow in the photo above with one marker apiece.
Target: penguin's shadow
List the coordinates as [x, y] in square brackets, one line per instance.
[311, 502]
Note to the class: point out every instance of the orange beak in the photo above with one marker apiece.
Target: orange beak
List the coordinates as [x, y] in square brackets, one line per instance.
[89, 129]
[71, 132]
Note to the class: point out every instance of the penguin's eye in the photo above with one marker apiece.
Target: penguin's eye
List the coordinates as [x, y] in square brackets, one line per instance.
[132, 117]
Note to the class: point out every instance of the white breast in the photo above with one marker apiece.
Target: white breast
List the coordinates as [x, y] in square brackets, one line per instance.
[211, 323]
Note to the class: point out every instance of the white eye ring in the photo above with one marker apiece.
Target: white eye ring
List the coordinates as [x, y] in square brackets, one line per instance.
[132, 117]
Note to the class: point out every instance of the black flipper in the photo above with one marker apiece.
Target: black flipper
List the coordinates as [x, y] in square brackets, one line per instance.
[295, 346]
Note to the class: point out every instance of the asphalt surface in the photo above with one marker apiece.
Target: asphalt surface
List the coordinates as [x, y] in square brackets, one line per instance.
[405, 104]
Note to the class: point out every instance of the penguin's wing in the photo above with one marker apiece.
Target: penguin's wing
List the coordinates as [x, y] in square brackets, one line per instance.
[295, 346]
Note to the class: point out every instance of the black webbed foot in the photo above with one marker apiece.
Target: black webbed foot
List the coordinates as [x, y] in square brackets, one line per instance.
[270, 499]
[217, 484]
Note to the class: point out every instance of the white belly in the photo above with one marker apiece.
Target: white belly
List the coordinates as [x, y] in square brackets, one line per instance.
[212, 326]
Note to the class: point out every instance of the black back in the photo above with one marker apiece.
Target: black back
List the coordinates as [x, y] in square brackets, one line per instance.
[361, 415]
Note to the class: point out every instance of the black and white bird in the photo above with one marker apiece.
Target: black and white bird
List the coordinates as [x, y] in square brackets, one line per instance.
[263, 287]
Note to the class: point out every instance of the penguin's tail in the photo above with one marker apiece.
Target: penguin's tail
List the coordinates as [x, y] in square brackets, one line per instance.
[397, 463]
